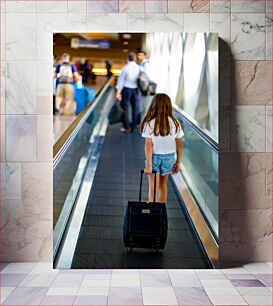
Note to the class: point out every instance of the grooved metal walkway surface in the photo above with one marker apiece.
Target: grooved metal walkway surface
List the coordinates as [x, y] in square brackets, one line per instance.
[100, 243]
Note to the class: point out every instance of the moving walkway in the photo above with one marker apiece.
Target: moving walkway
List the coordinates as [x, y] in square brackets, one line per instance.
[96, 172]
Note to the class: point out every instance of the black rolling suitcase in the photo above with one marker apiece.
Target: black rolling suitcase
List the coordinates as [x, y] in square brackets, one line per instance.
[145, 224]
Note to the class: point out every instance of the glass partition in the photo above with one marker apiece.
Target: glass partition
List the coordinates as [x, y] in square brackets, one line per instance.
[68, 173]
[199, 167]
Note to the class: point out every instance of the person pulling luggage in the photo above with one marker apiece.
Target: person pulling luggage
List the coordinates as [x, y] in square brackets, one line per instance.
[163, 144]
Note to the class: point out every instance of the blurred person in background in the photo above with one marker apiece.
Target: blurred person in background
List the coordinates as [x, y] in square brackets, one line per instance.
[67, 74]
[145, 67]
[86, 71]
[128, 92]
[108, 67]
[57, 61]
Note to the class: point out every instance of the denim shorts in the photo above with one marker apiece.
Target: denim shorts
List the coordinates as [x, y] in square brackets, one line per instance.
[163, 163]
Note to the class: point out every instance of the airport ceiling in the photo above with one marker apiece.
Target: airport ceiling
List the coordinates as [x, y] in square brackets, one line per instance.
[120, 45]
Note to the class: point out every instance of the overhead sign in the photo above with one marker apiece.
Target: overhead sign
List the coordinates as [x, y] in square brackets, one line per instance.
[84, 43]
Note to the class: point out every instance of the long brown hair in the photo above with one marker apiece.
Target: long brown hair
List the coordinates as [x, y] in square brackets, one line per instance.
[160, 109]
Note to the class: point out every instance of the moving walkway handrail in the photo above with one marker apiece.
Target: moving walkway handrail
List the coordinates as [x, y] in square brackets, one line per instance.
[201, 131]
[70, 133]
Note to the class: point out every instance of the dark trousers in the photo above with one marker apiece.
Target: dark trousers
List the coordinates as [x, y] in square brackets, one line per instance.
[130, 96]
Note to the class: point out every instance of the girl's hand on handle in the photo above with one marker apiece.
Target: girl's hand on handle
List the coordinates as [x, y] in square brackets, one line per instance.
[176, 167]
[148, 170]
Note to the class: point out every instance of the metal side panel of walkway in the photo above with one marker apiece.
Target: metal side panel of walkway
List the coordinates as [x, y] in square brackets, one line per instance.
[100, 242]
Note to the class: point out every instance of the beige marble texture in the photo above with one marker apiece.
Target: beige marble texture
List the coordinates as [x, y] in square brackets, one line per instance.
[245, 235]
[252, 83]
[245, 181]
[188, 6]
[131, 6]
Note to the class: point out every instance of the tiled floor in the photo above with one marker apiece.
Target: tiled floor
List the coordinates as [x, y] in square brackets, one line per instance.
[39, 284]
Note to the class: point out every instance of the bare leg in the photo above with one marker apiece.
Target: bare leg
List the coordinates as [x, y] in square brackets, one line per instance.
[162, 192]
[151, 179]
[59, 101]
[67, 108]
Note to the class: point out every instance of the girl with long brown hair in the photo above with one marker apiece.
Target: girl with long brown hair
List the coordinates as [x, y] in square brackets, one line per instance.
[163, 144]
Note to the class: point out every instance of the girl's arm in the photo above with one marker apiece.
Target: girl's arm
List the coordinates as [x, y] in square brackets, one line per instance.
[148, 154]
[179, 145]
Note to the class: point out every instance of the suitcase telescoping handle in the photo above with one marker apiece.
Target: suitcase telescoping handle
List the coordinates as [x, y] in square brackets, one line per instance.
[140, 187]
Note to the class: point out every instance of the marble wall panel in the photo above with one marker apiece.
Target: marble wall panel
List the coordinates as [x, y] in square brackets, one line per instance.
[246, 235]
[250, 6]
[244, 181]
[3, 36]
[196, 22]
[77, 22]
[131, 6]
[12, 174]
[104, 6]
[268, 128]
[44, 105]
[248, 129]
[252, 83]
[220, 6]
[106, 22]
[77, 6]
[156, 6]
[44, 138]
[268, 24]
[21, 6]
[3, 138]
[248, 36]
[188, 6]
[220, 23]
[136, 22]
[59, 6]
[20, 93]
[2, 88]
[20, 36]
[163, 22]
[21, 138]
[47, 24]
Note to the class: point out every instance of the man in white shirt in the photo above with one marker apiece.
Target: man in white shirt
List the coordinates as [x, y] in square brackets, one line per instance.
[144, 66]
[128, 92]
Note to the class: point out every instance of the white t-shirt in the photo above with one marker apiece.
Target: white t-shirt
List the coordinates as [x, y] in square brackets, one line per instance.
[162, 144]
